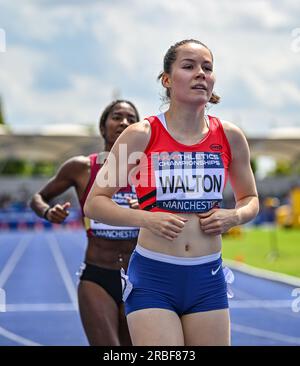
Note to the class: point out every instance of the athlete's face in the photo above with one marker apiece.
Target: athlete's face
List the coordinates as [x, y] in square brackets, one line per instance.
[191, 79]
[120, 117]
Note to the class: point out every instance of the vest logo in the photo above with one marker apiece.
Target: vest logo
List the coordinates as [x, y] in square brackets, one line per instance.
[216, 147]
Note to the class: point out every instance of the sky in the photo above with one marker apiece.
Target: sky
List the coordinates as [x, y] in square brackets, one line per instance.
[64, 61]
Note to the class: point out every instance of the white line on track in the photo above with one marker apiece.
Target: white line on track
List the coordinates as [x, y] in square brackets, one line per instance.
[260, 304]
[265, 334]
[63, 269]
[234, 304]
[263, 273]
[16, 338]
[40, 307]
[14, 259]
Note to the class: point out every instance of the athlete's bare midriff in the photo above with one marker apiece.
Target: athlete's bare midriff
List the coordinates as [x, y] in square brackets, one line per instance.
[106, 253]
[191, 242]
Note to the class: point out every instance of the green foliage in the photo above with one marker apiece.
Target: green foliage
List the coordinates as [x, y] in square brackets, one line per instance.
[283, 168]
[253, 164]
[15, 167]
[2, 121]
[43, 168]
[27, 168]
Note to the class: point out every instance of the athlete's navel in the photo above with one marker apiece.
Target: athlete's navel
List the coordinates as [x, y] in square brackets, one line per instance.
[187, 247]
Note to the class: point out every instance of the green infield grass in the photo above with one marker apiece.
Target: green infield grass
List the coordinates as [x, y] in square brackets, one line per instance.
[276, 250]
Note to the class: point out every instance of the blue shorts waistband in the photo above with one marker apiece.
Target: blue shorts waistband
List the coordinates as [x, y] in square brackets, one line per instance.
[162, 257]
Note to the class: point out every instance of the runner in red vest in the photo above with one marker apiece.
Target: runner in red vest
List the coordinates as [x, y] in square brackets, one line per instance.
[176, 291]
[109, 247]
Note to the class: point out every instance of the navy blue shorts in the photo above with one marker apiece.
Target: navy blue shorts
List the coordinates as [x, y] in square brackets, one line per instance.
[177, 286]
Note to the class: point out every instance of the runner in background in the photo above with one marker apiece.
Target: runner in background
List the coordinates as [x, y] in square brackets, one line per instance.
[108, 248]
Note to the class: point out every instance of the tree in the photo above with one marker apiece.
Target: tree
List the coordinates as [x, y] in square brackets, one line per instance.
[2, 121]
[282, 168]
[253, 164]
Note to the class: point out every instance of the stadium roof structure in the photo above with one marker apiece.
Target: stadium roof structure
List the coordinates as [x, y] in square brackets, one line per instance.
[277, 148]
[282, 143]
[47, 148]
[59, 147]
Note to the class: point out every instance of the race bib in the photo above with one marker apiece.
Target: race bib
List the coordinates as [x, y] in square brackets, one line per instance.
[188, 181]
[99, 229]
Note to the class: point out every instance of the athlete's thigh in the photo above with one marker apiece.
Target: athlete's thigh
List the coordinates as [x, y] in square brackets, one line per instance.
[155, 327]
[208, 328]
[124, 335]
[99, 314]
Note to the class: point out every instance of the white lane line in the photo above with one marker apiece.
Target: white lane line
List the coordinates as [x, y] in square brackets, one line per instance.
[236, 304]
[40, 307]
[265, 334]
[263, 273]
[13, 260]
[260, 304]
[16, 338]
[63, 269]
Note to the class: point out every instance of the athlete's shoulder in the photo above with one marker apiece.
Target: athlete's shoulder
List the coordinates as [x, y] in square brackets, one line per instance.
[229, 126]
[233, 133]
[236, 138]
[142, 127]
[78, 161]
[76, 164]
[137, 135]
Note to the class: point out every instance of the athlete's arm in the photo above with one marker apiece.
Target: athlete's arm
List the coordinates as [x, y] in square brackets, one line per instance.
[218, 221]
[64, 179]
[114, 175]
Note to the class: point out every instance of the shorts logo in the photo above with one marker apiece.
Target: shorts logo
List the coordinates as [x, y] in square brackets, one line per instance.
[216, 147]
[214, 272]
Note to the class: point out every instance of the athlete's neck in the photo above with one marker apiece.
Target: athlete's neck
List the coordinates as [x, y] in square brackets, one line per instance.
[188, 122]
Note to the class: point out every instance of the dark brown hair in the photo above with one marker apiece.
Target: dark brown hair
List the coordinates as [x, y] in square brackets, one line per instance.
[170, 58]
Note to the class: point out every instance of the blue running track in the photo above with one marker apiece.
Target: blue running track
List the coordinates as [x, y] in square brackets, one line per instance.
[38, 273]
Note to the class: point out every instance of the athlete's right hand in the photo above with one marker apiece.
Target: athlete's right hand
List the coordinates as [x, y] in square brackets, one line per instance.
[167, 225]
[58, 213]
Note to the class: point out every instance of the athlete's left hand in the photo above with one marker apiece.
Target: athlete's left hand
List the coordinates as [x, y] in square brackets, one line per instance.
[217, 220]
[133, 202]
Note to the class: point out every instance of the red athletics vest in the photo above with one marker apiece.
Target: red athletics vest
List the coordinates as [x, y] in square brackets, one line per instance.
[174, 177]
[98, 229]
